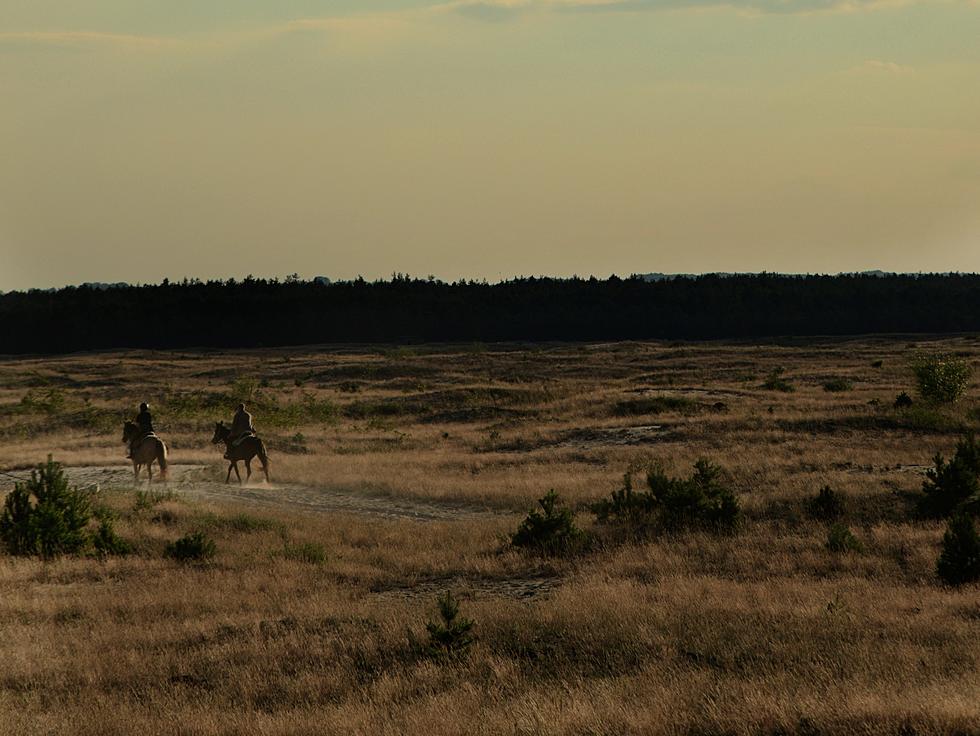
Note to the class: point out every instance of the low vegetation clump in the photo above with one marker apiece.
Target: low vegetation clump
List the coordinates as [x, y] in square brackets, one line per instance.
[959, 561]
[903, 401]
[148, 498]
[954, 486]
[837, 385]
[656, 405]
[196, 547]
[941, 378]
[841, 539]
[775, 382]
[44, 516]
[105, 540]
[550, 530]
[699, 501]
[828, 504]
[452, 635]
[312, 553]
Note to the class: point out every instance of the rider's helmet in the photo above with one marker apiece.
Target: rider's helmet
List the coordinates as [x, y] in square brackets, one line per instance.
[241, 407]
[144, 406]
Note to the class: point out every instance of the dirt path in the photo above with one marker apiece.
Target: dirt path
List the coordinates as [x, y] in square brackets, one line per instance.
[196, 481]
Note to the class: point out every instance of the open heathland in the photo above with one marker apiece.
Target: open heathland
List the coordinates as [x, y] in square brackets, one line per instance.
[787, 585]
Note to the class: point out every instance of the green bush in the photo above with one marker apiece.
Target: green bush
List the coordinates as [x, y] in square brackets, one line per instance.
[955, 485]
[451, 636]
[903, 401]
[195, 547]
[43, 516]
[959, 561]
[550, 531]
[147, 499]
[775, 382]
[941, 378]
[828, 504]
[656, 405]
[104, 539]
[836, 385]
[312, 553]
[700, 501]
[841, 539]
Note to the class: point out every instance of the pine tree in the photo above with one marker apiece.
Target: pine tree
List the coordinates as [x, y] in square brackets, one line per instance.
[959, 561]
[55, 523]
[451, 636]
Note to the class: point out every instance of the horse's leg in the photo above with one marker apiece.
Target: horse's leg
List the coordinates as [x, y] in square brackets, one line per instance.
[136, 472]
[149, 472]
[248, 469]
[228, 477]
[162, 460]
[237, 473]
[265, 464]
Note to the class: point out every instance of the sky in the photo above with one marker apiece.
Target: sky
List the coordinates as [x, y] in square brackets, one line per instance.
[488, 139]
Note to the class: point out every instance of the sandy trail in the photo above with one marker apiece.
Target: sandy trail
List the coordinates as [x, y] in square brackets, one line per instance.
[196, 481]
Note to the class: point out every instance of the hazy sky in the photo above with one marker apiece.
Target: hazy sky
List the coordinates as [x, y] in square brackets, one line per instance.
[487, 138]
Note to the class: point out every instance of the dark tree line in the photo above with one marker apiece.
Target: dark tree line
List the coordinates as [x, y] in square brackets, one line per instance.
[259, 312]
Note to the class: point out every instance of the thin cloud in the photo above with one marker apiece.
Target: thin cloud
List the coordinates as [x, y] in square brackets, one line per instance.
[375, 25]
[877, 66]
[498, 10]
[82, 39]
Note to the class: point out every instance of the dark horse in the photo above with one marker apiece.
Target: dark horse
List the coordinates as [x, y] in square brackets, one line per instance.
[147, 450]
[245, 450]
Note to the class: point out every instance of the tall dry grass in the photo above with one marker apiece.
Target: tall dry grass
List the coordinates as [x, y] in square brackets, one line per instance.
[766, 631]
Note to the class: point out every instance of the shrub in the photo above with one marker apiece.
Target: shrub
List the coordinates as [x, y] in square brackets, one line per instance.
[955, 485]
[941, 378]
[656, 405]
[309, 552]
[700, 501]
[828, 504]
[450, 637]
[550, 531]
[836, 385]
[104, 539]
[248, 523]
[841, 539]
[147, 499]
[776, 382]
[903, 401]
[44, 516]
[959, 561]
[191, 548]
[626, 505]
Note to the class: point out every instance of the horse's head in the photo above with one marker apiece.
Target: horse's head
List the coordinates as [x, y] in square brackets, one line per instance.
[130, 431]
[221, 433]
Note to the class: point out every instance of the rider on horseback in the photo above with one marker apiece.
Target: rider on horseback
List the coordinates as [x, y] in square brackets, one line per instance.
[145, 422]
[241, 427]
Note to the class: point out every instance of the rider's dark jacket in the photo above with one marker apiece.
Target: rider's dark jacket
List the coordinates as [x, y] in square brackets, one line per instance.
[241, 424]
[145, 422]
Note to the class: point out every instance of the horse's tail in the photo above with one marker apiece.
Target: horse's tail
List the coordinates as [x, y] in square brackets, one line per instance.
[263, 458]
[162, 458]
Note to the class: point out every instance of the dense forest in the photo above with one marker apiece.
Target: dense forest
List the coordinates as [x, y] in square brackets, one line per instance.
[260, 312]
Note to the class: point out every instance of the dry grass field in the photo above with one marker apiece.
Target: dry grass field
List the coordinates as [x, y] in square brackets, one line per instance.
[303, 622]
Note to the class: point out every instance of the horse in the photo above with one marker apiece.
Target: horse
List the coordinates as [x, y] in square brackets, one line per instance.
[147, 450]
[245, 450]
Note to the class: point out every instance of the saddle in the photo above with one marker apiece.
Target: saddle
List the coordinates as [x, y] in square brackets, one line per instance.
[139, 441]
[241, 439]
[142, 438]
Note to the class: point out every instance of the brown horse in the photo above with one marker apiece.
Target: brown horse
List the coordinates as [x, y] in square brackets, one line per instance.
[147, 450]
[245, 450]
